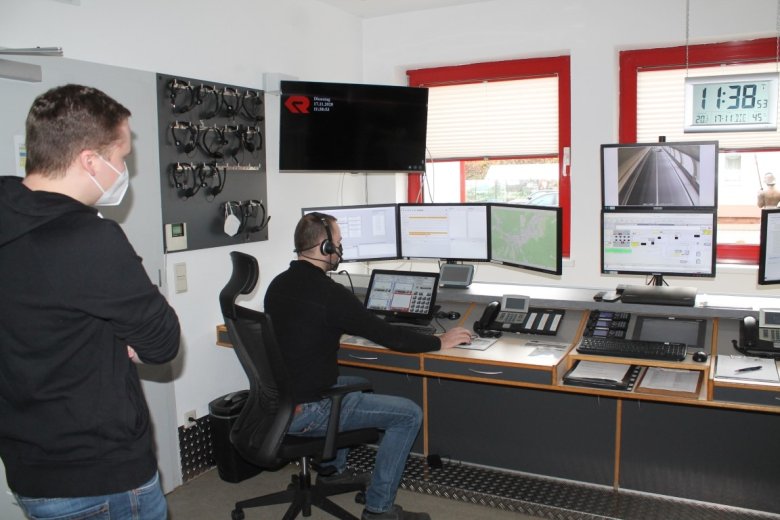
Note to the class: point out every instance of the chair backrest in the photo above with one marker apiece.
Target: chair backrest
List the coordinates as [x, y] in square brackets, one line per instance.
[263, 422]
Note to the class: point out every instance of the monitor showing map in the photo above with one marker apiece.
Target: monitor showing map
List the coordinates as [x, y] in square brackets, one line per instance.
[528, 237]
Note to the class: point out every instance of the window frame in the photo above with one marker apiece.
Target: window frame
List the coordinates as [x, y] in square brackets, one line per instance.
[692, 56]
[506, 70]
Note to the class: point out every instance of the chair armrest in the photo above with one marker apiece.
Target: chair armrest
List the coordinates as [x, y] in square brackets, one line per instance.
[336, 395]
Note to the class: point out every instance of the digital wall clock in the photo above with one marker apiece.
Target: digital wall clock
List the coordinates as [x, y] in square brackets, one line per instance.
[745, 102]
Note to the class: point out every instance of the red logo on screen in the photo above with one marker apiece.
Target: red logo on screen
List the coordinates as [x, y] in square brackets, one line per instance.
[298, 104]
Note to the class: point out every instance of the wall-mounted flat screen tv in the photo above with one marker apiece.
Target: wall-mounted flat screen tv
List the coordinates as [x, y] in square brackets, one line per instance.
[345, 127]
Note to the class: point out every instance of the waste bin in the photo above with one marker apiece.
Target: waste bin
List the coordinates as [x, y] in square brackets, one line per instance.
[223, 412]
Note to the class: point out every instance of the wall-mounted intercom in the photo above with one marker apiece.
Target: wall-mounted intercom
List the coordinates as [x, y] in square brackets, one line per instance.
[175, 236]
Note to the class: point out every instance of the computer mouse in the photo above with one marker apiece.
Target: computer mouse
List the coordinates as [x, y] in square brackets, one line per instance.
[700, 356]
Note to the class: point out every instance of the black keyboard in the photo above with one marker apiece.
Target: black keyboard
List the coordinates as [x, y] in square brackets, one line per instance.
[420, 329]
[632, 348]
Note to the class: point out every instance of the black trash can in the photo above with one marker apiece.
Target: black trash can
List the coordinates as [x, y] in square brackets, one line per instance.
[223, 412]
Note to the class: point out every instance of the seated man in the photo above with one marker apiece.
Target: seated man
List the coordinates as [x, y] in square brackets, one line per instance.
[310, 312]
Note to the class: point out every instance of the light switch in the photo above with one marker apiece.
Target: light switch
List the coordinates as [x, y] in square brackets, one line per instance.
[180, 273]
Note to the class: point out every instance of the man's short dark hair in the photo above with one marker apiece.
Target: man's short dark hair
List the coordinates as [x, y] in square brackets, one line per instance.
[66, 120]
[310, 232]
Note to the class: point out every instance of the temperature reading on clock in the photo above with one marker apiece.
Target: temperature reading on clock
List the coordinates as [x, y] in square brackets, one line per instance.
[731, 103]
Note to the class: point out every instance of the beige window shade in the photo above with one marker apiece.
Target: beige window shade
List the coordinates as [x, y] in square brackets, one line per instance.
[493, 119]
[661, 105]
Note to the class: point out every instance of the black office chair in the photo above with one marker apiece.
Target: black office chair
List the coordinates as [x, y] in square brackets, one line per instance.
[260, 432]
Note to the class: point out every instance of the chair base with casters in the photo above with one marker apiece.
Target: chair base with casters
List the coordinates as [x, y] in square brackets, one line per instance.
[302, 495]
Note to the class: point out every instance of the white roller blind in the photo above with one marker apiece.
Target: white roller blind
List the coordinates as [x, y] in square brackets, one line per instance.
[494, 119]
[661, 105]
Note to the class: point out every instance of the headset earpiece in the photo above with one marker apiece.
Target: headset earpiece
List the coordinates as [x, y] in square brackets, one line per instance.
[327, 247]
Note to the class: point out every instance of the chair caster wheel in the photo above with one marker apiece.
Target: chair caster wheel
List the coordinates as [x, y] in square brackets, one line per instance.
[360, 497]
[237, 514]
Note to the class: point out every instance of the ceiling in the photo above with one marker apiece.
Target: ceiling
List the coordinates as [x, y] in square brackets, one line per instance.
[374, 8]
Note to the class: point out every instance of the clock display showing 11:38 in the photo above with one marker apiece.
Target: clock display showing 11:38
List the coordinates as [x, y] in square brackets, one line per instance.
[746, 102]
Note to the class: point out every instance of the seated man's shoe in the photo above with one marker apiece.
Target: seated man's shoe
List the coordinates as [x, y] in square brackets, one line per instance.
[345, 477]
[394, 513]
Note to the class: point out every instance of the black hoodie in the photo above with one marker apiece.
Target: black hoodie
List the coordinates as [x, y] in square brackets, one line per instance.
[73, 419]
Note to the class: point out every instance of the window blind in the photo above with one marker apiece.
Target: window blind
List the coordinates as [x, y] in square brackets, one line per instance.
[493, 119]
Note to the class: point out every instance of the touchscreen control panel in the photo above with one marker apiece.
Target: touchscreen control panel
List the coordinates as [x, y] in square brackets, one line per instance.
[607, 324]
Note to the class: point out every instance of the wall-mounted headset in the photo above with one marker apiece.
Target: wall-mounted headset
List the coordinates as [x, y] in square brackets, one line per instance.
[190, 140]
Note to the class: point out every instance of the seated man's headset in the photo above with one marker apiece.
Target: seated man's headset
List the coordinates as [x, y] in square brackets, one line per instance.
[327, 247]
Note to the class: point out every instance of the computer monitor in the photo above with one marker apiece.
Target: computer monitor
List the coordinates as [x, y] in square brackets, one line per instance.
[367, 232]
[528, 237]
[444, 231]
[769, 250]
[402, 295]
[682, 174]
[658, 242]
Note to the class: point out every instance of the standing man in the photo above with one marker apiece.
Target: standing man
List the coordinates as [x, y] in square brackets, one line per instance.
[310, 312]
[77, 309]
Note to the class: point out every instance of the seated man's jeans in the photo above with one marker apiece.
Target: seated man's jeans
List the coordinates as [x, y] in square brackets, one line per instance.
[398, 417]
[144, 503]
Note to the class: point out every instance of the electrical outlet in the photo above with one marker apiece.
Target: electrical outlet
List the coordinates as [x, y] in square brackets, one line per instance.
[190, 418]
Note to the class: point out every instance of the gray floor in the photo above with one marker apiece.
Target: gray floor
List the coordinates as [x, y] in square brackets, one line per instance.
[209, 497]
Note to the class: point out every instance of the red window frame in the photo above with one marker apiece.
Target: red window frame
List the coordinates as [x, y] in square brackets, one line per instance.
[631, 62]
[505, 70]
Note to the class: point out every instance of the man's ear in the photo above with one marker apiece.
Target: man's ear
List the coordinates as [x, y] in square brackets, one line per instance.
[86, 159]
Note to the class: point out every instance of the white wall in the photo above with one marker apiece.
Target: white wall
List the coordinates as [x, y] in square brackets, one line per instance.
[309, 40]
[592, 33]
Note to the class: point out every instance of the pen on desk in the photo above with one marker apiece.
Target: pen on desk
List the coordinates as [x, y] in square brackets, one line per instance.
[748, 369]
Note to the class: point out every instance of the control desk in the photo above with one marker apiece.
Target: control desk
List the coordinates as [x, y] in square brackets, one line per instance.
[679, 429]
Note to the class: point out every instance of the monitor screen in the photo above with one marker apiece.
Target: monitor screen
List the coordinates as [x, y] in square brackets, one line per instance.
[769, 250]
[657, 242]
[690, 331]
[444, 231]
[367, 232]
[526, 236]
[659, 174]
[402, 294]
[352, 128]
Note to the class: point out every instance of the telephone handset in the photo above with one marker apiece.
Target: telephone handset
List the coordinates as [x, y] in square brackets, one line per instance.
[487, 320]
[759, 338]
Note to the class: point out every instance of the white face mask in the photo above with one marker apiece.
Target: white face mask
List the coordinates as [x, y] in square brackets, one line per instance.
[232, 222]
[113, 195]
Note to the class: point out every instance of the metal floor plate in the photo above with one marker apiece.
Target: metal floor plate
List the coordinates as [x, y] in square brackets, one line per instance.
[545, 497]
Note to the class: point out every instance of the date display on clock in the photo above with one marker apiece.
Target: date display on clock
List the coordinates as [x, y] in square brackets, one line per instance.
[745, 102]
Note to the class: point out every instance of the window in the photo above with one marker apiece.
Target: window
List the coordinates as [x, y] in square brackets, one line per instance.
[497, 132]
[651, 105]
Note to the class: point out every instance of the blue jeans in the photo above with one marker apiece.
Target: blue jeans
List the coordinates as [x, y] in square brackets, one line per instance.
[400, 419]
[145, 503]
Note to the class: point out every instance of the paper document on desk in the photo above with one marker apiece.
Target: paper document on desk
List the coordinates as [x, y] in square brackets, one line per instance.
[349, 339]
[747, 368]
[552, 349]
[595, 371]
[671, 379]
[478, 344]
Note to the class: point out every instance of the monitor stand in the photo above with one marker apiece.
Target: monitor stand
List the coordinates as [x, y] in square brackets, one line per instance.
[657, 293]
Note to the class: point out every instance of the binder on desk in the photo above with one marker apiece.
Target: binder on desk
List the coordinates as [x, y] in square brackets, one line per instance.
[612, 376]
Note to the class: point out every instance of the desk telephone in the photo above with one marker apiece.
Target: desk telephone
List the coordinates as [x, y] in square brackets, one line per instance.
[760, 337]
[514, 314]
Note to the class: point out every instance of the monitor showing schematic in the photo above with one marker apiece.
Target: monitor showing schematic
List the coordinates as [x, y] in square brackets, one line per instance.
[658, 243]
